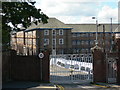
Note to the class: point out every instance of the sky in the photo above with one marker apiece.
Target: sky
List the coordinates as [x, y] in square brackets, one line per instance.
[80, 11]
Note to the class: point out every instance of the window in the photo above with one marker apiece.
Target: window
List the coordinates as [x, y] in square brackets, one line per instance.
[78, 42]
[91, 42]
[73, 34]
[74, 42]
[83, 34]
[34, 41]
[61, 41]
[82, 50]
[61, 32]
[46, 32]
[82, 42]
[54, 42]
[86, 34]
[53, 32]
[87, 42]
[91, 34]
[78, 34]
[46, 41]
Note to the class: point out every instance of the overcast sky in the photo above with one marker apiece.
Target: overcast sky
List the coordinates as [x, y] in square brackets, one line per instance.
[80, 11]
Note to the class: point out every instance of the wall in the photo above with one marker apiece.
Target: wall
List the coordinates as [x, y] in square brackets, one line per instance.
[118, 61]
[6, 66]
[25, 68]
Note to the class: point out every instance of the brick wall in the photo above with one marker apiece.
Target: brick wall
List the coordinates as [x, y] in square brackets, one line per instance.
[99, 66]
[118, 61]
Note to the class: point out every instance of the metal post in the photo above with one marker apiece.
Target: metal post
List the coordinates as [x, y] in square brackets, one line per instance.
[104, 38]
[96, 43]
[111, 46]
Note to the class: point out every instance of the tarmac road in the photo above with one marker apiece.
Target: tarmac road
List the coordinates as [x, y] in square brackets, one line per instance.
[50, 86]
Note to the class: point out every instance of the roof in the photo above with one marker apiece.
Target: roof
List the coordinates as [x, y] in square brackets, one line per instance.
[52, 23]
[92, 27]
[57, 24]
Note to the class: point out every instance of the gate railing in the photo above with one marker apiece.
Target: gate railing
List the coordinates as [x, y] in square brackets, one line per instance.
[111, 64]
[71, 68]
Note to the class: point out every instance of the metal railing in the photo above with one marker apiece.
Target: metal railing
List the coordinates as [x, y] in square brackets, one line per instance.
[71, 68]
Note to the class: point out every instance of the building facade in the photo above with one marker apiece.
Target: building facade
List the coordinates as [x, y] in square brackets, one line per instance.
[60, 38]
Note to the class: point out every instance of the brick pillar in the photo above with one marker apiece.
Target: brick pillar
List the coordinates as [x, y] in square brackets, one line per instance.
[45, 67]
[118, 61]
[99, 65]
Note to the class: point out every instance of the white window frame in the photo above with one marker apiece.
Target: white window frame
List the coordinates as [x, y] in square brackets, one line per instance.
[46, 32]
[61, 41]
[61, 32]
[73, 42]
[82, 42]
[54, 32]
[53, 41]
[78, 42]
[46, 41]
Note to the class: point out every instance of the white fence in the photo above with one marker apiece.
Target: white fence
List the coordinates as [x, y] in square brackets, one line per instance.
[71, 68]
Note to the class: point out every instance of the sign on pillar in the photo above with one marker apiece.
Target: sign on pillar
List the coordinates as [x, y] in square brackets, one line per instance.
[41, 55]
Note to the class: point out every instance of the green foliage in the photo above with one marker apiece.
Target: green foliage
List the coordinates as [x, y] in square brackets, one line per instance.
[19, 13]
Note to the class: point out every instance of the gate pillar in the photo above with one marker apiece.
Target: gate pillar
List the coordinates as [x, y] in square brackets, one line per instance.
[118, 61]
[99, 65]
[45, 67]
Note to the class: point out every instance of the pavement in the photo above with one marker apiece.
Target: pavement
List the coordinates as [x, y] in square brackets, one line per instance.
[50, 86]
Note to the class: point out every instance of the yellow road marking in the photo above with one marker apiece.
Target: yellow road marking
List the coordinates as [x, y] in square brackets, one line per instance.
[60, 87]
[102, 86]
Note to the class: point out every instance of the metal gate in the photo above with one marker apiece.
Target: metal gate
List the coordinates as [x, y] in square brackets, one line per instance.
[111, 70]
[71, 68]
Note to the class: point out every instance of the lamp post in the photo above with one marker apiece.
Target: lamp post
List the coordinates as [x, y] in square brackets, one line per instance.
[96, 41]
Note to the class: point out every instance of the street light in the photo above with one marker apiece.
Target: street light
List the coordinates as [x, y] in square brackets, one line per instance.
[96, 41]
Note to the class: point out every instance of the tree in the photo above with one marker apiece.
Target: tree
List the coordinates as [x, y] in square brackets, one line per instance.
[15, 14]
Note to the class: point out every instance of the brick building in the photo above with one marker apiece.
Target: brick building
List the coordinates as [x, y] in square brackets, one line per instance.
[61, 38]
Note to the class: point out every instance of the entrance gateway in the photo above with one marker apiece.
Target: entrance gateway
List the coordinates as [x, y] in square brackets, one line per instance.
[71, 68]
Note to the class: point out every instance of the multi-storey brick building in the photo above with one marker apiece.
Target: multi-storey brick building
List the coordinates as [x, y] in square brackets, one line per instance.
[61, 38]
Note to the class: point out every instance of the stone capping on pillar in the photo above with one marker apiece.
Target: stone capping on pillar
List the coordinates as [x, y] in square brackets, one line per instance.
[96, 48]
[99, 65]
